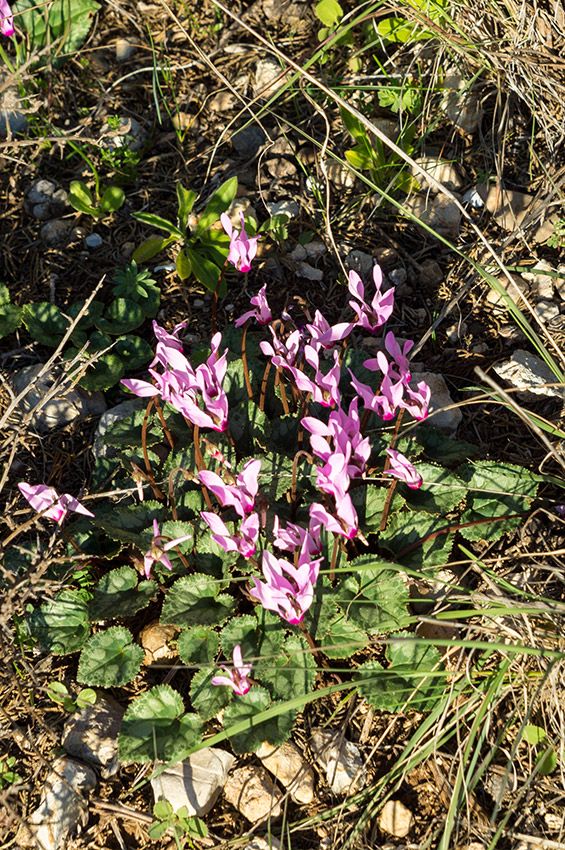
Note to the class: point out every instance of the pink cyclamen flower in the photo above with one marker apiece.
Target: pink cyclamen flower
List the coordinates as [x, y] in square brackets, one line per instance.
[326, 335]
[371, 316]
[288, 590]
[401, 468]
[262, 312]
[158, 550]
[240, 496]
[6, 19]
[242, 247]
[236, 678]
[46, 501]
[245, 542]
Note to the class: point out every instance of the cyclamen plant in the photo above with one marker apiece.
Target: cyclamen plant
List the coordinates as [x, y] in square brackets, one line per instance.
[273, 517]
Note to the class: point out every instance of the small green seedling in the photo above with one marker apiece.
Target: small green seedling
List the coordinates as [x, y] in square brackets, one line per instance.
[203, 246]
[182, 827]
[59, 693]
[546, 759]
[371, 154]
[83, 200]
[8, 776]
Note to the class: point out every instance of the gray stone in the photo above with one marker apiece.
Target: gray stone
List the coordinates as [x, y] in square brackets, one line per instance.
[62, 807]
[42, 212]
[130, 134]
[196, 782]
[340, 175]
[124, 50]
[360, 262]
[439, 212]
[286, 207]
[269, 842]
[92, 735]
[341, 761]
[287, 764]
[307, 271]
[542, 283]
[395, 819]
[41, 191]
[547, 310]
[440, 416]
[461, 103]
[56, 232]
[269, 77]
[298, 253]
[445, 172]
[315, 249]
[13, 121]
[93, 241]
[397, 277]
[515, 289]
[529, 374]
[431, 273]
[508, 207]
[64, 407]
[251, 790]
[248, 140]
[224, 101]
[124, 410]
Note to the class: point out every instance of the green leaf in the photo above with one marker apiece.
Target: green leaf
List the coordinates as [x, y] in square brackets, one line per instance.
[329, 12]
[70, 21]
[126, 523]
[405, 682]
[245, 708]
[133, 351]
[290, 673]
[534, 734]
[401, 31]
[441, 492]
[354, 126]
[198, 645]
[496, 489]
[45, 322]
[337, 635]
[547, 762]
[155, 728]
[10, 315]
[359, 158]
[194, 600]
[121, 316]
[183, 265]
[185, 200]
[81, 198]
[61, 625]
[205, 271]
[260, 637]
[86, 697]
[103, 374]
[112, 199]
[109, 659]
[374, 596]
[150, 247]
[423, 536]
[218, 203]
[118, 594]
[208, 699]
[160, 223]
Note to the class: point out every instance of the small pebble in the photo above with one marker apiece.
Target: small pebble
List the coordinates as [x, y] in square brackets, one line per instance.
[547, 310]
[198, 303]
[395, 819]
[93, 241]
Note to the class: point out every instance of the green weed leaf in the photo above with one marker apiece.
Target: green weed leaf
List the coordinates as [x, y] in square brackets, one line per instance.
[118, 594]
[45, 322]
[194, 600]
[218, 203]
[109, 659]
[329, 12]
[155, 728]
[61, 625]
[208, 699]
[198, 645]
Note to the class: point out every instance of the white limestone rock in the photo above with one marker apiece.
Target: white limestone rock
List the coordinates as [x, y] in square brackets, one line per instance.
[60, 410]
[251, 790]
[287, 764]
[341, 760]
[92, 735]
[195, 782]
[62, 807]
